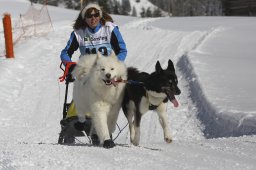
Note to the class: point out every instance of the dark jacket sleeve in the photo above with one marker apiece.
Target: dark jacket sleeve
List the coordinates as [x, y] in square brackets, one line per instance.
[118, 44]
[70, 48]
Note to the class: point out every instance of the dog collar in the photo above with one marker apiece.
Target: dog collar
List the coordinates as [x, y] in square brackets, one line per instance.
[153, 107]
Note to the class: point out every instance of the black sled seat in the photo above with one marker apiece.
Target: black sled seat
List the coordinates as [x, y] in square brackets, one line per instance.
[68, 132]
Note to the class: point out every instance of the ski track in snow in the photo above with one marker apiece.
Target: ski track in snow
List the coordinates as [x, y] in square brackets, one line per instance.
[29, 132]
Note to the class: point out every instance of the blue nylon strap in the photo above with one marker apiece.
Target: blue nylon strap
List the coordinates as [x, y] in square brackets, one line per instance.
[134, 82]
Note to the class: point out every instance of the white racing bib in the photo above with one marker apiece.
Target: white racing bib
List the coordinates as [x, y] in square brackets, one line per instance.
[90, 43]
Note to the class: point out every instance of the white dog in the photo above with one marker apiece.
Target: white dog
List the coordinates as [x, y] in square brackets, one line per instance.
[97, 91]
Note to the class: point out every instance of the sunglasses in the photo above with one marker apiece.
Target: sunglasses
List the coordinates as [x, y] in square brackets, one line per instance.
[93, 15]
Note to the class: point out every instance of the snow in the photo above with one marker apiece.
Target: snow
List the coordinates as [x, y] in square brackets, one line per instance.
[214, 127]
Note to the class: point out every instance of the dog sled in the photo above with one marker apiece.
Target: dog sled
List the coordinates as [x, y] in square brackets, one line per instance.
[68, 132]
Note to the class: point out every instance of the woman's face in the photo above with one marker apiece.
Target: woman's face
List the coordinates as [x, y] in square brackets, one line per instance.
[92, 19]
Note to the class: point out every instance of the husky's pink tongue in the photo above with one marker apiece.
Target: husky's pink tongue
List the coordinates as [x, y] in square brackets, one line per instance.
[175, 102]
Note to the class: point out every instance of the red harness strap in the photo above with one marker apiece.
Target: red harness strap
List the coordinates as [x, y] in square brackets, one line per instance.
[120, 81]
[115, 82]
[68, 64]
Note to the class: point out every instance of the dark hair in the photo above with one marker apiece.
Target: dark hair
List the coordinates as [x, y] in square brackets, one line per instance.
[81, 24]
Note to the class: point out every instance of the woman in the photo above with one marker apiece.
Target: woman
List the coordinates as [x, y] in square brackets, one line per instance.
[94, 31]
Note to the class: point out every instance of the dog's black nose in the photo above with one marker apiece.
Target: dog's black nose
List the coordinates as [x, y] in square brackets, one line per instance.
[108, 75]
[178, 91]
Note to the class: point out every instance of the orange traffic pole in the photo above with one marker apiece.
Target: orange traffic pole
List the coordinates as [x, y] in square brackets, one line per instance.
[8, 35]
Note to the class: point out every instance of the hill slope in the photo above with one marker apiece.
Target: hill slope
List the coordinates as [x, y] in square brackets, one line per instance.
[32, 98]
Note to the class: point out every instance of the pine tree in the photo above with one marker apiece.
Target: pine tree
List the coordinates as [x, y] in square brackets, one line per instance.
[149, 12]
[157, 13]
[33, 1]
[52, 2]
[143, 12]
[125, 7]
[116, 7]
[134, 12]
[105, 5]
[68, 4]
[73, 4]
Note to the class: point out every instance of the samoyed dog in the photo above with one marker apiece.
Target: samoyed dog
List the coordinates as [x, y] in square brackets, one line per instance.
[97, 90]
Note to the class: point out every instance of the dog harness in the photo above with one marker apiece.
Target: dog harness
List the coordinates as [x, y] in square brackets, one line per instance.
[153, 107]
[132, 82]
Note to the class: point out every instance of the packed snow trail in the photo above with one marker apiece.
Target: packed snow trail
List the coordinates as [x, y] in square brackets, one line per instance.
[32, 99]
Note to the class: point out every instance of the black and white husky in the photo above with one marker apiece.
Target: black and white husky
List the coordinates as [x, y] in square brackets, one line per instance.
[150, 92]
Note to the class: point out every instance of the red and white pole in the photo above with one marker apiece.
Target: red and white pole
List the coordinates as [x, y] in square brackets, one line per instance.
[8, 35]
